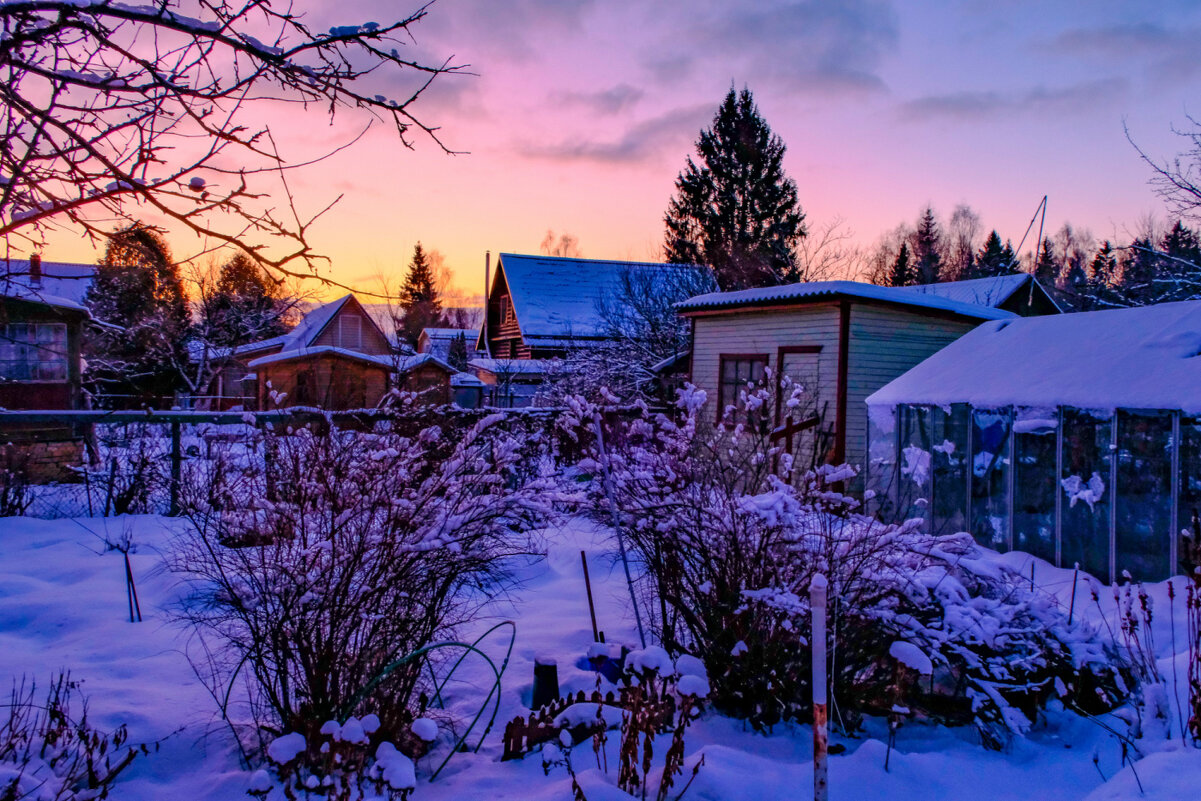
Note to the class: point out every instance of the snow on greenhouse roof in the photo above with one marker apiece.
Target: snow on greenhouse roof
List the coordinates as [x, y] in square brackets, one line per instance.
[1141, 358]
[819, 290]
[980, 291]
[557, 297]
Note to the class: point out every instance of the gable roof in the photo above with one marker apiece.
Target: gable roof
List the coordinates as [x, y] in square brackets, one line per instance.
[320, 350]
[63, 284]
[555, 299]
[1140, 358]
[981, 291]
[817, 291]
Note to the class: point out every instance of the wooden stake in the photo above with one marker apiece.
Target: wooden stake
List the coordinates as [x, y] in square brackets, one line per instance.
[817, 605]
[588, 589]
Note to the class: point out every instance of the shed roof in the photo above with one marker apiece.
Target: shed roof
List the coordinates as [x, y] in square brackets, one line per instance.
[823, 290]
[1140, 358]
[556, 298]
[981, 291]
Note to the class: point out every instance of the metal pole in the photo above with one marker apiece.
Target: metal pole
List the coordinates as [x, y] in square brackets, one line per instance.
[588, 588]
[607, 481]
[817, 605]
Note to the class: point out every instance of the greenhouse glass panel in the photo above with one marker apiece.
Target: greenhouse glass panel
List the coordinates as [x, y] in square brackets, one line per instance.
[1189, 522]
[948, 505]
[881, 461]
[1034, 484]
[990, 477]
[914, 479]
[1086, 492]
[1144, 495]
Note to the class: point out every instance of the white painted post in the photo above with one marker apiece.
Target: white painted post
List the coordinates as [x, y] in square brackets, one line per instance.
[817, 604]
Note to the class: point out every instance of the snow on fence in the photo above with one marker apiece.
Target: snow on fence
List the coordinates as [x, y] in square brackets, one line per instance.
[581, 717]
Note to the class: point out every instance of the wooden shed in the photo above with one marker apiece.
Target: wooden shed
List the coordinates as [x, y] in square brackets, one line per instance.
[840, 340]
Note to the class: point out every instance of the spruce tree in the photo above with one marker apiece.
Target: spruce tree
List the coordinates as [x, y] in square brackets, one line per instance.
[1047, 268]
[456, 355]
[902, 273]
[735, 210]
[994, 259]
[927, 249]
[419, 301]
[244, 306]
[137, 288]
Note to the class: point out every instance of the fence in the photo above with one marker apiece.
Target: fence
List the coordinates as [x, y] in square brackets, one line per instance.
[139, 462]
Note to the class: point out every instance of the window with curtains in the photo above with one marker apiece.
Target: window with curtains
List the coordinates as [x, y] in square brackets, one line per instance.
[33, 352]
[736, 371]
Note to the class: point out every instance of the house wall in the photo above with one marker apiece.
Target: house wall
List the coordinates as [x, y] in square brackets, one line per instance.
[504, 334]
[371, 340]
[327, 382]
[766, 332]
[884, 343]
[431, 381]
[45, 394]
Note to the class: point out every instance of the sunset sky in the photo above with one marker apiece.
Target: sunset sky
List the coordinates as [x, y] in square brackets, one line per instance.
[582, 112]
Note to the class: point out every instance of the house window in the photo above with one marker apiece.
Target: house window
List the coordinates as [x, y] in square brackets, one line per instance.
[33, 352]
[736, 371]
[350, 332]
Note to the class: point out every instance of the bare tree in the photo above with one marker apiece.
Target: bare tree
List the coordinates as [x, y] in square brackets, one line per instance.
[963, 239]
[564, 246]
[114, 111]
[827, 253]
[1178, 180]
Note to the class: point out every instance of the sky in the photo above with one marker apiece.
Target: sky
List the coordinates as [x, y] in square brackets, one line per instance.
[579, 114]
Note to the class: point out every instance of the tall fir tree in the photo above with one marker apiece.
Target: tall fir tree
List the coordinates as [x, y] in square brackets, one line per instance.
[927, 249]
[1047, 267]
[244, 305]
[994, 259]
[419, 302]
[138, 289]
[902, 273]
[735, 210]
[456, 354]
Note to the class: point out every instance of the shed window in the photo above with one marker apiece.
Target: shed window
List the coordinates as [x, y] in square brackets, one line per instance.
[33, 352]
[736, 371]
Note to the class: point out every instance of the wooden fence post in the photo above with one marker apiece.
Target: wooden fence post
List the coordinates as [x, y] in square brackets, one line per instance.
[176, 467]
[817, 605]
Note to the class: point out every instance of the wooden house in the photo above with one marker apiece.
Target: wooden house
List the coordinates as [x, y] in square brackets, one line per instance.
[839, 340]
[41, 367]
[438, 341]
[542, 307]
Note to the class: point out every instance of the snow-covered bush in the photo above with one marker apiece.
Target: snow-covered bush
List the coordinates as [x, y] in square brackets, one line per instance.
[49, 751]
[729, 535]
[310, 583]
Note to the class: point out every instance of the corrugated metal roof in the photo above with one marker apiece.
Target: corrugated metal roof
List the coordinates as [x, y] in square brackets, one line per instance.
[981, 291]
[63, 283]
[557, 297]
[782, 295]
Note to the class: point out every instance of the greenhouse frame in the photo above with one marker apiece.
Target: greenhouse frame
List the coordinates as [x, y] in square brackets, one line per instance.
[1075, 438]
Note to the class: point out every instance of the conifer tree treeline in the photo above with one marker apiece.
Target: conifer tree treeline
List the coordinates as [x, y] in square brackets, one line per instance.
[734, 209]
[420, 305]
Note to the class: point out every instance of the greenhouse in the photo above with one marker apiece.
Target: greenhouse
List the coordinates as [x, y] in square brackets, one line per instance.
[1075, 438]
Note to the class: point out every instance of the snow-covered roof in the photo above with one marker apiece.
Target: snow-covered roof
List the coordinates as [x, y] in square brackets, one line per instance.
[1141, 358]
[66, 282]
[819, 290]
[980, 291]
[406, 363]
[557, 297]
[510, 366]
[466, 380]
[313, 323]
[323, 350]
[449, 333]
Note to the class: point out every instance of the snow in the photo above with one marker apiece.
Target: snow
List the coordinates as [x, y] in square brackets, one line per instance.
[510, 366]
[322, 350]
[425, 729]
[556, 298]
[981, 291]
[285, 748]
[63, 604]
[688, 665]
[1140, 358]
[823, 290]
[693, 685]
[67, 281]
[652, 658]
[585, 715]
[911, 656]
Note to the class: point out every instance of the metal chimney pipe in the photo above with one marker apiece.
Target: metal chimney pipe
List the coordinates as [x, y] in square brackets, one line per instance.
[35, 270]
[487, 289]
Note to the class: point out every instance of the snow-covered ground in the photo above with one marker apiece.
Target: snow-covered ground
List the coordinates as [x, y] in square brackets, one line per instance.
[63, 605]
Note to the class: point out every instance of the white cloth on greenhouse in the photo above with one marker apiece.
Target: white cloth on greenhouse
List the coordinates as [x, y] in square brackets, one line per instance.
[1140, 358]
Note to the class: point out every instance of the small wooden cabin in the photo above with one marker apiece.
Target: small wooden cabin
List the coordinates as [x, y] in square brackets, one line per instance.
[40, 368]
[839, 340]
